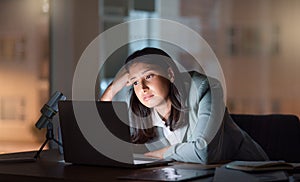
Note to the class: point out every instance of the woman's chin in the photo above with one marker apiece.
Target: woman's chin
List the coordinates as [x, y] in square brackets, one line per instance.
[149, 104]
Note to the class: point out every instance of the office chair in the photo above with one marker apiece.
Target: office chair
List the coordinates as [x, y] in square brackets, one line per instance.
[277, 134]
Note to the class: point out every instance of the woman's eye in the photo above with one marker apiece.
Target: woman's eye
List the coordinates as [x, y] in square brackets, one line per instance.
[149, 76]
[134, 83]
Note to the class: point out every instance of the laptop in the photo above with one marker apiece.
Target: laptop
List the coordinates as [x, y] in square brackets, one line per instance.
[99, 135]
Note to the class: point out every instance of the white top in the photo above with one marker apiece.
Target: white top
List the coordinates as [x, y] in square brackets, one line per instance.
[173, 137]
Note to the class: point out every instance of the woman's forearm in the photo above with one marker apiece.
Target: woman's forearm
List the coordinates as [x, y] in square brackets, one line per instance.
[120, 81]
[108, 94]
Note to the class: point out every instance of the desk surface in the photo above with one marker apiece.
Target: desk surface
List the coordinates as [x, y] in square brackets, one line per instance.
[50, 168]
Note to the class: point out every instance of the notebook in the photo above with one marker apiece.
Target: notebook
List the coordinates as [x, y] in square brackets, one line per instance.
[99, 135]
[253, 166]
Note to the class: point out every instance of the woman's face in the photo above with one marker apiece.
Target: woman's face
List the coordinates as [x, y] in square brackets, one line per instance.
[150, 84]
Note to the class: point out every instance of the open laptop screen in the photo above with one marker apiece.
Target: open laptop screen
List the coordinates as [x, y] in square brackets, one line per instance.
[80, 150]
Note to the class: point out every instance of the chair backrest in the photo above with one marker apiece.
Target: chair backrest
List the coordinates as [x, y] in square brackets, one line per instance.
[277, 134]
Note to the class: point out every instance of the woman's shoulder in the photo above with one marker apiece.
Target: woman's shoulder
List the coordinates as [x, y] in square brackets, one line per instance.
[197, 76]
[196, 83]
[202, 79]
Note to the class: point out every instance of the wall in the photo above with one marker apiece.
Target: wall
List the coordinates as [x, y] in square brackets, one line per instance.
[23, 68]
[257, 45]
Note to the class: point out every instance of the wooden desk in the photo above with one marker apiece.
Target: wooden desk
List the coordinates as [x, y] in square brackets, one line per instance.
[49, 167]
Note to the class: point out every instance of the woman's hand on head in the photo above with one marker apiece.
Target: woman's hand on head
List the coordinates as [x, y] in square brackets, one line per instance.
[119, 82]
[157, 153]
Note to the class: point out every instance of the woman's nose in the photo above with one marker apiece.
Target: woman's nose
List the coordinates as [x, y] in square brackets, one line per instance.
[144, 85]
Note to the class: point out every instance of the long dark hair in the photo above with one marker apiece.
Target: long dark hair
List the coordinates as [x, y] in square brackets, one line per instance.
[142, 129]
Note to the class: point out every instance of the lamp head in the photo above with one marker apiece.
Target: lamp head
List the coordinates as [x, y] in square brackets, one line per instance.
[49, 110]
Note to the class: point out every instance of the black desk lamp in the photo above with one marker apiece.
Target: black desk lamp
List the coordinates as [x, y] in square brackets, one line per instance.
[45, 121]
[48, 111]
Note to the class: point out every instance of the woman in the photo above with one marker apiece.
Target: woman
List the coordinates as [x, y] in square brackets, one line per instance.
[179, 116]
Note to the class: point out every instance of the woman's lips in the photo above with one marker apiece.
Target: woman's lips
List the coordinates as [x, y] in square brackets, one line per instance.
[147, 97]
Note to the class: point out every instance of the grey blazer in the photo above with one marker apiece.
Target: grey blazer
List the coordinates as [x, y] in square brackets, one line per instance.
[211, 136]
